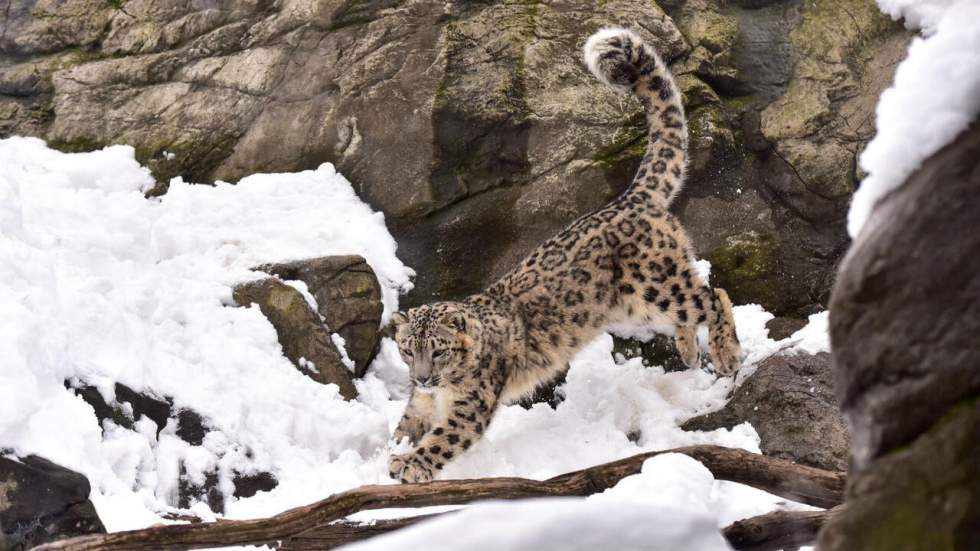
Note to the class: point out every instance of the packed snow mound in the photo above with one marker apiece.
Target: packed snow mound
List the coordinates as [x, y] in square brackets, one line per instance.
[557, 523]
[101, 285]
[935, 96]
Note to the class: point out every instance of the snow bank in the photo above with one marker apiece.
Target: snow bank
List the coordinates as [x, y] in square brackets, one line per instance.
[935, 96]
[558, 523]
[100, 284]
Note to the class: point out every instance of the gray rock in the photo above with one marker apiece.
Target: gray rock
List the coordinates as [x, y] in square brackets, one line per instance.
[348, 298]
[304, 339]
[904, 329]
[789, 401]
[781, 327]
[919, 496]
[903, 320]
[473, 125]
[42, 502]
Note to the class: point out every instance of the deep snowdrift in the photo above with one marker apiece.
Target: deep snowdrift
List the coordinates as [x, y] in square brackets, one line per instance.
[99, 284]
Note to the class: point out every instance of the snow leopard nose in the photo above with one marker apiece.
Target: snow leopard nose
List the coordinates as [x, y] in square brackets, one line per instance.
[423, 381]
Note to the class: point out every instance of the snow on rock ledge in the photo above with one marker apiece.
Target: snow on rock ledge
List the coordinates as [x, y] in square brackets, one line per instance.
[935, 96]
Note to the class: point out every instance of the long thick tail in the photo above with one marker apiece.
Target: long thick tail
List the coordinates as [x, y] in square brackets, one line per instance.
[622, 60]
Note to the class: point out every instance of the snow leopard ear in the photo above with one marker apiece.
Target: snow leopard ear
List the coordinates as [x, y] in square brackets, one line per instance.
[398, 318]
[456, 321]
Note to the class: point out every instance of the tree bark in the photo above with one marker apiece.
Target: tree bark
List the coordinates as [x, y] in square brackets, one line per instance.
[777, 530]
[783, 478]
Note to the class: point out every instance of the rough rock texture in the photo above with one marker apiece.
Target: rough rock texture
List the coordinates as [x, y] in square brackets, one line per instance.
[41, 502]
[473, 125]
[918, 497]
[904, 329]
[790, 402]
[348, 298]
[904, 320]
[304, 339]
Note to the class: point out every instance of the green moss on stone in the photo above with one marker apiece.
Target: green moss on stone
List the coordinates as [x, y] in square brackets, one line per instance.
[747, 266]
[7, 490]
[920, 496]
[80, 144]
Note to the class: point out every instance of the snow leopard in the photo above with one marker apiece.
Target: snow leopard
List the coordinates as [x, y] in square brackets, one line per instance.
[629, 262]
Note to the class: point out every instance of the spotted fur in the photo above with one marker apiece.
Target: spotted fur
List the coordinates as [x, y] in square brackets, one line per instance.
[627, 263]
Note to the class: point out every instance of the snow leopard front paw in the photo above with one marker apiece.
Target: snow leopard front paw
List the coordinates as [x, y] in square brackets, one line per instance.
[409, 468]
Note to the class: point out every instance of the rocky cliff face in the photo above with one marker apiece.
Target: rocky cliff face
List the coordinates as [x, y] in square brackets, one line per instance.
[473, 125]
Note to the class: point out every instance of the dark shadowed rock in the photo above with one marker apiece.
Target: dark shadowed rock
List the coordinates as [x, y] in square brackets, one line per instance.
[660, 350]
[348, 298]
[474, 125]
[781, 327]
[41, 502]
[789, 401]
[190, 426]
[139, 404]
[304, 339]
[904, 326]
[246, 485]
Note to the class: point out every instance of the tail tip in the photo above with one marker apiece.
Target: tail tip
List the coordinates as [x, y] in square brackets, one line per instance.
[610, 55]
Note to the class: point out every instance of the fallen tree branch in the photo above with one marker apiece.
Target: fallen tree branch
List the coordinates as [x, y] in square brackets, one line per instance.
[777, 530]
[783, 478]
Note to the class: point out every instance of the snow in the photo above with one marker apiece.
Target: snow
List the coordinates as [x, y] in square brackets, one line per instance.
[935, 96]
[101, 285]
[558, 523]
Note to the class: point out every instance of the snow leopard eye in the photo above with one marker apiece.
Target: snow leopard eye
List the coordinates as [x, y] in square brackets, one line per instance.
[437, 353]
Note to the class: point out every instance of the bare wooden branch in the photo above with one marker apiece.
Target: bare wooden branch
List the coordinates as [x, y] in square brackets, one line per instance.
[777, 530]
[776, 476]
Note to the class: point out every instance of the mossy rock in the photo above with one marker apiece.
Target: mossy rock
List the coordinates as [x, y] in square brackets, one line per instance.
[748, 267]
[922, 496]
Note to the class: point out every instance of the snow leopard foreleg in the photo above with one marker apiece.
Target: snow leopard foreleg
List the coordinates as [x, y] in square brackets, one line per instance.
[466, 414]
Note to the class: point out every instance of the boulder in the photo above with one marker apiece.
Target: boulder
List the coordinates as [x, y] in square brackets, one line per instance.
[473, 125]
[348, 299]
[904, 326]
[789, 400]
[42, 502]
[304, 339]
